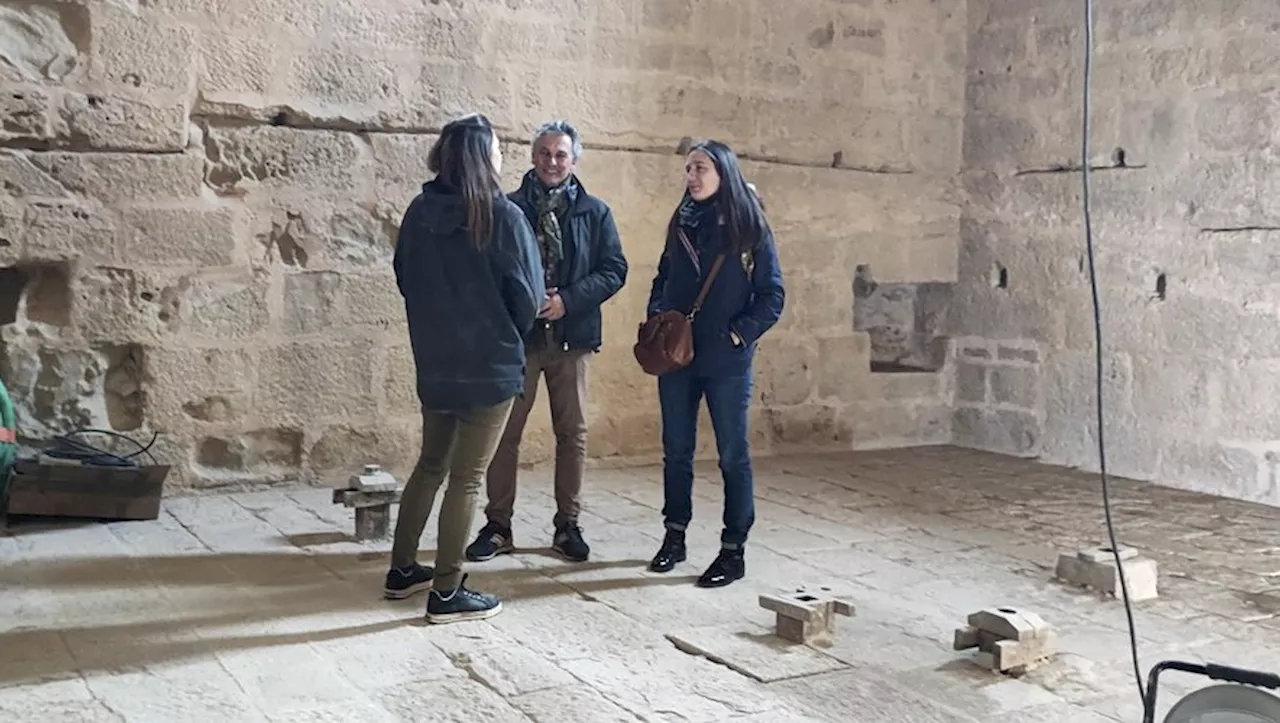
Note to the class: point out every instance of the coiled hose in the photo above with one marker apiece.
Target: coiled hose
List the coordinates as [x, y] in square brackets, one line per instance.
[8, 437]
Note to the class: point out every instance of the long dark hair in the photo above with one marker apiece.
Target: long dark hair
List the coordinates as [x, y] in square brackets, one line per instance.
[462, 158]
[741, 209]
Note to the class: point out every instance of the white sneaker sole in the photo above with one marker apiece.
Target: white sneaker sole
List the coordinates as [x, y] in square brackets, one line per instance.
[446, 618]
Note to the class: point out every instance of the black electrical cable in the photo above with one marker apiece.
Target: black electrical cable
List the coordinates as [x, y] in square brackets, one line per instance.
[67, 446]
[1098, 366]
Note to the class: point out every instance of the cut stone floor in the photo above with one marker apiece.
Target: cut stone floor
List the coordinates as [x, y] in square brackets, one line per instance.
[257, 606]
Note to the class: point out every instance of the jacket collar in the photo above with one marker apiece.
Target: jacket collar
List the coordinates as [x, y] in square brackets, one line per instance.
[579, 206]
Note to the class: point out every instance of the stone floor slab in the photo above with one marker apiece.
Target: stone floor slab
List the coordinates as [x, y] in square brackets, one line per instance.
[754, 652]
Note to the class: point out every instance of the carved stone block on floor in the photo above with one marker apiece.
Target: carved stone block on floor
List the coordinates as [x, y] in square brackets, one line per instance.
[807, 615]
[1095, 568]
[1009, 641]
[371, 493]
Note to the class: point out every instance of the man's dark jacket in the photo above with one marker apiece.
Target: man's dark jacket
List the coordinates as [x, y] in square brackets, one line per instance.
[593, 270]
[468, 309]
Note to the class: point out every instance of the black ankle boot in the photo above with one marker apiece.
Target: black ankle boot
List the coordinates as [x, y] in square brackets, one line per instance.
[728, 567]
[671, 552]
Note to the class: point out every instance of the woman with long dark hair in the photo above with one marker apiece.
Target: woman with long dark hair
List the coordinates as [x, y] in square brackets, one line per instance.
[721, 217]
[469, 269]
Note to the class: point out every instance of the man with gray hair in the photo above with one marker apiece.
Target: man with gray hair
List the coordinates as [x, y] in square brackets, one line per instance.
[584, 265]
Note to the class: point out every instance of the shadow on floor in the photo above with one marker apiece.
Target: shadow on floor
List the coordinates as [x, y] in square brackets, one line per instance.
[279, 593]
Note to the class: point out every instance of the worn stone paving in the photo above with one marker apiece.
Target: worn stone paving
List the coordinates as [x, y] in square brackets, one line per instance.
[256, 606]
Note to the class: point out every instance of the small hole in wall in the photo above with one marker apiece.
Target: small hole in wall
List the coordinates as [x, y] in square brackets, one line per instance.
[1000, 277]
[1117, 157]
[1162, 285]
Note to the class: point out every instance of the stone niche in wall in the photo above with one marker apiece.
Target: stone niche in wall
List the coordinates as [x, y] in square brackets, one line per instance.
[905, 322]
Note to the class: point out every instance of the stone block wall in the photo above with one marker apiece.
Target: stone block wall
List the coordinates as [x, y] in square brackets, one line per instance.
[1187, 237]
[200, 199]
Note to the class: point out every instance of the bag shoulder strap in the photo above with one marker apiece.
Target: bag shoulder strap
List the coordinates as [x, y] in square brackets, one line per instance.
[706, 285]
[711, 275]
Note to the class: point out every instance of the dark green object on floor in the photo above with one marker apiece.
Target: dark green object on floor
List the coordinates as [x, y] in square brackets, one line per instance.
[8, 440]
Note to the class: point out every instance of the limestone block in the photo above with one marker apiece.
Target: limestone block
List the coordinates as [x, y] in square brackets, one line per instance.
[310, 232]
[12, 227]
[125, 177]
[363, 236]
[188, 386]
[26, 114]
[201, 235]
[315, 381]
[434, 32]
[820, 305]
[65, 230]
[631, 434]
[42, 42]
[444, 90]
[785, 368]
[806, 248]
[971, 383]
[360, 84]
[401, 164]
[260, 455]
[808, 426]
[242, 158]
[842, 366]
[316, 301]
[1008, 641]
[877, 426]
[120, 123]
[399, 385]
[807, 615]
[143, 50]
[1004, 431]
[1015, 386]
[995, 141]
[224, 304]
[23, 179]
[340, 447]
[118, 304]
[932, 257]
[234, 65]
[760, 433]
[616, 381]
[1096, 568]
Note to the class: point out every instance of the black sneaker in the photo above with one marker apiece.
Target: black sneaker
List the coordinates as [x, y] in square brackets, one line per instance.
[727, 567]
[405, 581]
[671, 552]
[460, 604]
[492, 541]
[568, 543]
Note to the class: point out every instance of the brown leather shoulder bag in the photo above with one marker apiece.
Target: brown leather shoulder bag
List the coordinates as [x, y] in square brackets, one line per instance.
[665, 341]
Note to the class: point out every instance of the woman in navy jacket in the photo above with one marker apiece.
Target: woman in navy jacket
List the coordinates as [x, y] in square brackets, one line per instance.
[719, 214]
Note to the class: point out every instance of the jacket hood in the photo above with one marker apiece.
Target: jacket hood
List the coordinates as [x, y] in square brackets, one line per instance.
[443, 208]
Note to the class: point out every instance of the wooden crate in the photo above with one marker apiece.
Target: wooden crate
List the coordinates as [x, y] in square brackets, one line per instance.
[104, 493]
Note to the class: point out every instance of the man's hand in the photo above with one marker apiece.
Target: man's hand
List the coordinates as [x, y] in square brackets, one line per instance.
[553, 307]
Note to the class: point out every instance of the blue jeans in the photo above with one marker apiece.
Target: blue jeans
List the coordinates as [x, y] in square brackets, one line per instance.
[728, 398]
